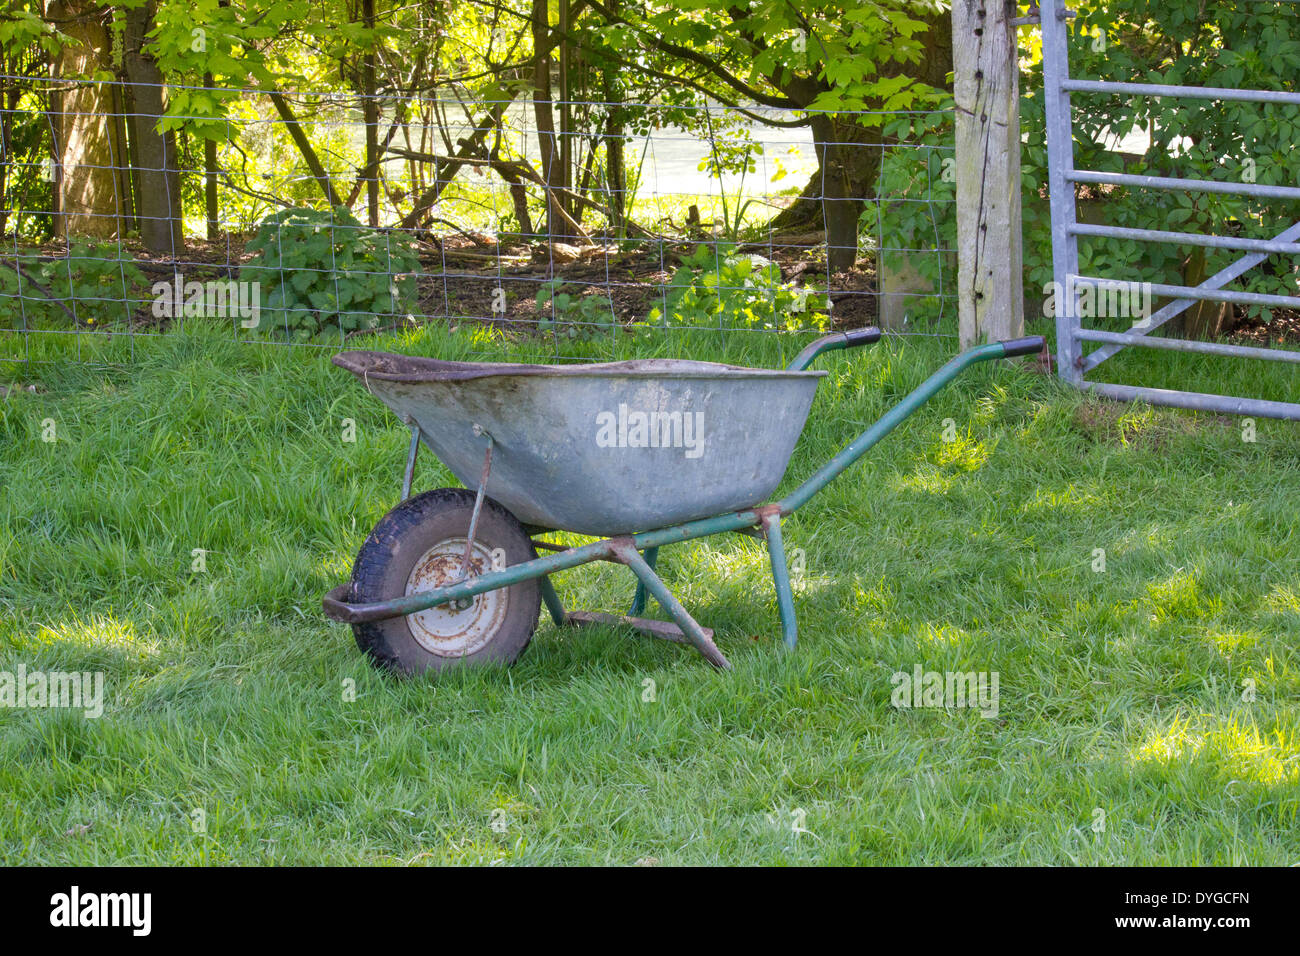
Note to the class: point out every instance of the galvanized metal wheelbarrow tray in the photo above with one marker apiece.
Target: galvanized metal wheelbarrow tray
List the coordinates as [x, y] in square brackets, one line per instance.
[641, 454]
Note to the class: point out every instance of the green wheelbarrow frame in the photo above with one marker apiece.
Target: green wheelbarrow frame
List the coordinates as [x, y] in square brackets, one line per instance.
[640, 551]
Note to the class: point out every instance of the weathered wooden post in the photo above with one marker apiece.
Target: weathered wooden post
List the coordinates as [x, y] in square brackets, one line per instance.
[990, 299]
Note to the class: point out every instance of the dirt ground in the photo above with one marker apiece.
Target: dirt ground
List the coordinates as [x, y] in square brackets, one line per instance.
[461, 281]
[461, 276]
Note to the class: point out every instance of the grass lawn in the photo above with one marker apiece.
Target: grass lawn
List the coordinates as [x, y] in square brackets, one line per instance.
[1121, 735]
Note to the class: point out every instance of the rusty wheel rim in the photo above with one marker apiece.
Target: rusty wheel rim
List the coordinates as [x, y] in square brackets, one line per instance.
[448, 630]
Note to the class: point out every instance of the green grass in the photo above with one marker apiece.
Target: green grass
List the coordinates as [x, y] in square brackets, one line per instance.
[225, 690]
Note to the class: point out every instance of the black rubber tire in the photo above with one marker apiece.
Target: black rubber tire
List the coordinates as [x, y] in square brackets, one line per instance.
[402, 537]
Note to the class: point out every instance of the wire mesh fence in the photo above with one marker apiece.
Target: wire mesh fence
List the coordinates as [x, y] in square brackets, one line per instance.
[322, 219]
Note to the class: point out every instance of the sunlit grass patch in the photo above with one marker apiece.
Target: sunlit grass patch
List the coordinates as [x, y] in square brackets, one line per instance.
[1180, 597]
[1231, 748]
[1283, 598]
[927, 480]
[943, 635]
[962, 453]
[1229, 642]
[83, 637]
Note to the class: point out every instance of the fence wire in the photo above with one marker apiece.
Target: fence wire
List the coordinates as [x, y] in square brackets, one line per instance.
[320, 220]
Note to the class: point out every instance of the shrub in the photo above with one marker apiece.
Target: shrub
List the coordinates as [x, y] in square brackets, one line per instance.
[579, 314]
[720, 288]
[95, 282]
[321, 270]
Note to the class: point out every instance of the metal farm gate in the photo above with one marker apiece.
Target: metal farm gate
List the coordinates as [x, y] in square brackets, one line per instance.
[1073, 364]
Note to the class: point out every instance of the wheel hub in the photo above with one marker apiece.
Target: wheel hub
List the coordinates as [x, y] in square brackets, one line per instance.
[462, 627]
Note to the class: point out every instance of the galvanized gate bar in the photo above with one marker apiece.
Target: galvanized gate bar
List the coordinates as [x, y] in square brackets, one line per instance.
[1174, 183]
[1060, 165]
[1268, 246]
[1198, 292]
[1188, 345]
[1182, 92]
[1200, 401]
[1178, 306]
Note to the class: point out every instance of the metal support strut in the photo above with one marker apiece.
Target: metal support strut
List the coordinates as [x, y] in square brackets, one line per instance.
[552, 601]
[410, 457]
[690, 628]
[639, 599]
[478, 506]
[781, 577]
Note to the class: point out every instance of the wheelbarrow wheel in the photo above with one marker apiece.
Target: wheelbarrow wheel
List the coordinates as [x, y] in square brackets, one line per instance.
[420, 545]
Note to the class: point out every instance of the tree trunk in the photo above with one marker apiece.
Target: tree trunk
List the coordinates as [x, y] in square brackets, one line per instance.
[6, 151]
[616, 174]
[519, 199]
[565, 141]
[88, 152]
[371, 113]
[615, 166]
[851, 165]
[210, 178]
[1205, 319]
[848, 165]
[544, 112]
[126, 194]
[445, 170]
[156, 156]
[848, 154]
[309, 154]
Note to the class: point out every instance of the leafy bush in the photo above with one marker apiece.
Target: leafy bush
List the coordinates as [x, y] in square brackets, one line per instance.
[321, 270]
[720, 288]
[581, 313]
[96, 282]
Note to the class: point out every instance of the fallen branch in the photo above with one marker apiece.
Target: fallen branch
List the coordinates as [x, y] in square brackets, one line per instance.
[481, 256]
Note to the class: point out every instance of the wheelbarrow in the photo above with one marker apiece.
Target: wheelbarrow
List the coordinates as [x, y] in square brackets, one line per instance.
[639, 454]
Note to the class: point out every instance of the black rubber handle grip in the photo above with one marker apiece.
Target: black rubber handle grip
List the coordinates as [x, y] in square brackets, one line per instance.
[861, 336]
[836, 340]
[1026, 346]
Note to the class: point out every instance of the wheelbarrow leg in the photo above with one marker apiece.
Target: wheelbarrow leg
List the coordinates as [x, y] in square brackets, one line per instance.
[410, 457]
[781, 578]
[639, 599]
[694, 633]
[553, 602]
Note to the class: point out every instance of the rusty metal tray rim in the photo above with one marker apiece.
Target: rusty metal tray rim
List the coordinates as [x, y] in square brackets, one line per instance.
[394, 367]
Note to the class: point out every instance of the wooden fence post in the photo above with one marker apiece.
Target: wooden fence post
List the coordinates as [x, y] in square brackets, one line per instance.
[990, 297]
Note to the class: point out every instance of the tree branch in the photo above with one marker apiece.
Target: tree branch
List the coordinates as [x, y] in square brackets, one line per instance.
[694, 56]
[304, 146]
